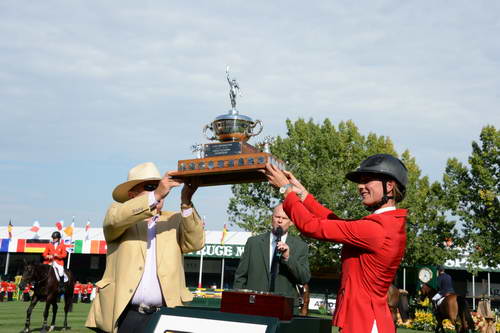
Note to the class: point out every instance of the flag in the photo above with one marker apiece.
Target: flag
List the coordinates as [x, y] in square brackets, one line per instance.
[35, 227]
[224, 233]
[87, 229]
[69, 230]
[35, 245]
[9, 229]
[70, 244]
[60, 225]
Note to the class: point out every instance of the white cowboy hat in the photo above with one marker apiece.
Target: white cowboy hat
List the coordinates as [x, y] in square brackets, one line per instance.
[138, 174]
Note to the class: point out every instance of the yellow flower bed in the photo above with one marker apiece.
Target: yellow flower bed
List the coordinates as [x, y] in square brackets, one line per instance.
[425, 321]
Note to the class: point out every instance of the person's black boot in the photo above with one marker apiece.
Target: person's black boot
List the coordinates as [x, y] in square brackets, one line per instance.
[62, 285]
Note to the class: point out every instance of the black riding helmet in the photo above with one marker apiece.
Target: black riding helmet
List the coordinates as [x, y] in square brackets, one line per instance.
[386, 167]
[56, 234]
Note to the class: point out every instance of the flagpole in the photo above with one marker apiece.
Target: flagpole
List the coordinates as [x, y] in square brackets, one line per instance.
[222, 241]
[7, 264]
[222, 274]
[69, 259]
[201, 269]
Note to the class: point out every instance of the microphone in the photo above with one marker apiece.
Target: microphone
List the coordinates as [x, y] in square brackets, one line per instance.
[278, 233]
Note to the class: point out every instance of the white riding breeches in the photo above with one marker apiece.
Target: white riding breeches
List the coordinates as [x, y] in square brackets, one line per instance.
[438, 299]
[59, 270]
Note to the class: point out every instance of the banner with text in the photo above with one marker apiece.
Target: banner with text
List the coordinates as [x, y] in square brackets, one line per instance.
[219, 251]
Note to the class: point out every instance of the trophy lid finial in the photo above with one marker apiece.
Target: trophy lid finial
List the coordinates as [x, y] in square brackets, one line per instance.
[234, 91]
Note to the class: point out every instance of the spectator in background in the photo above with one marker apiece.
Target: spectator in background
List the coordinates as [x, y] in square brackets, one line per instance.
[77, 291]
[3, 289]
[11, 288]
[85, 295]
[26, 293]
[89, 286]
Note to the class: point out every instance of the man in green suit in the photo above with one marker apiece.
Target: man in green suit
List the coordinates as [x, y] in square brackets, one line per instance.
[255, 270]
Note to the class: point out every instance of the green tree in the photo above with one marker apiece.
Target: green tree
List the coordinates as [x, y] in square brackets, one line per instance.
[429, 232]
[473, 197]
[320, 156]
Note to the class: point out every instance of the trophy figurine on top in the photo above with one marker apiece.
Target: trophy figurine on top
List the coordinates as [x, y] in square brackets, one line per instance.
[231, 160]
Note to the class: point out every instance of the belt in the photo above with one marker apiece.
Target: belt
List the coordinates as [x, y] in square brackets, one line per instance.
[144, 309]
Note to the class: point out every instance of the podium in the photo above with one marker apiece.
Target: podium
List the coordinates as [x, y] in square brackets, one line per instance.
[197, 320]
[257, 303]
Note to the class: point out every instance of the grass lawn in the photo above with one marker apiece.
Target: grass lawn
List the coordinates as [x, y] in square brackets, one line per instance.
[13, 315]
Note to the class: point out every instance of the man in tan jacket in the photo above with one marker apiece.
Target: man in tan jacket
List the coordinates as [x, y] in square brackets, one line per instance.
[144, 260]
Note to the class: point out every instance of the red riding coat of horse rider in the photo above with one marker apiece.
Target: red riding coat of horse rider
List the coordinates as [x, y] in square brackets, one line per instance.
[58, 253]
[372, 251]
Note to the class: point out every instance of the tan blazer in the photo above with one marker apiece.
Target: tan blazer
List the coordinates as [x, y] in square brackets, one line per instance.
[125, 231]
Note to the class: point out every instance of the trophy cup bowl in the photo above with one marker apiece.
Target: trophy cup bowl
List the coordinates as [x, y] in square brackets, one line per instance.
[233, 127]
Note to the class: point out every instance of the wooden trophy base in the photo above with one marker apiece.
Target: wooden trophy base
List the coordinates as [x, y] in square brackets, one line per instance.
[227, 163]
[257, 303]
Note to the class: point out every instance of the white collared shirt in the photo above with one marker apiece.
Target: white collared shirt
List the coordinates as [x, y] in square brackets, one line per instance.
[149, 290]
[383, 210]
[272, 246]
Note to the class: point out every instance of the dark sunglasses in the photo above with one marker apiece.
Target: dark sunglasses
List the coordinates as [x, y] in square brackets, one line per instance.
[150, 187]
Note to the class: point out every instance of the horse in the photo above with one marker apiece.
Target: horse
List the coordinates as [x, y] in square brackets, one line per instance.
[46, 287]
[304, 299]
[397, 300]
[453, 307]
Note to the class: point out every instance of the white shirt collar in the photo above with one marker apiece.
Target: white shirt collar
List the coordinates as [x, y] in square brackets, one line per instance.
[385, 209]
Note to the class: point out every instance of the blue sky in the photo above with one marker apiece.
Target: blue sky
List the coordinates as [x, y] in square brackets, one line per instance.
[88, 89]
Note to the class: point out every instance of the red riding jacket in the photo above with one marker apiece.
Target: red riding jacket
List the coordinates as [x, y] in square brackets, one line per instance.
[59, 253]
[372, 251]
[77, 288]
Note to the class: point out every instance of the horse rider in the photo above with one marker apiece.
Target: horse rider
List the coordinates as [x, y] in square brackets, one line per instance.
[54, 255]
[373, 246]
[445, 286]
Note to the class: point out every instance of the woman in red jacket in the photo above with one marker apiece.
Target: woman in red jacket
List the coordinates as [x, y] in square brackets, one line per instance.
[54, 255]
[373, 246]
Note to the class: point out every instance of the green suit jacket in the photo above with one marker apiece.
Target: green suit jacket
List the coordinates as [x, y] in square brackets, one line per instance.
[253, 271]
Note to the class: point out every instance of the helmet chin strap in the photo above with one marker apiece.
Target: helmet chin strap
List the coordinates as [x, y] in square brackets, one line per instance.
[383, 201]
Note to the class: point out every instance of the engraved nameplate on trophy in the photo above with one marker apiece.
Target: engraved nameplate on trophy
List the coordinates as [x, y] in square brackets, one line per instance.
[231, 160]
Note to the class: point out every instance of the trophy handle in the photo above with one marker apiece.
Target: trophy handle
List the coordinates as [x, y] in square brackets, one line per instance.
[253, 126]
[208, 127]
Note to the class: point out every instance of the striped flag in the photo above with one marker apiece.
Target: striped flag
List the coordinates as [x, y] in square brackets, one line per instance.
[60, 225]
[9, 228]
[35, 228]
[69, 230]
[224, 234]
[35, 245]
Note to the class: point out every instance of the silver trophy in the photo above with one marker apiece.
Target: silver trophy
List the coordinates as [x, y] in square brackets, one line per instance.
[233, 126]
